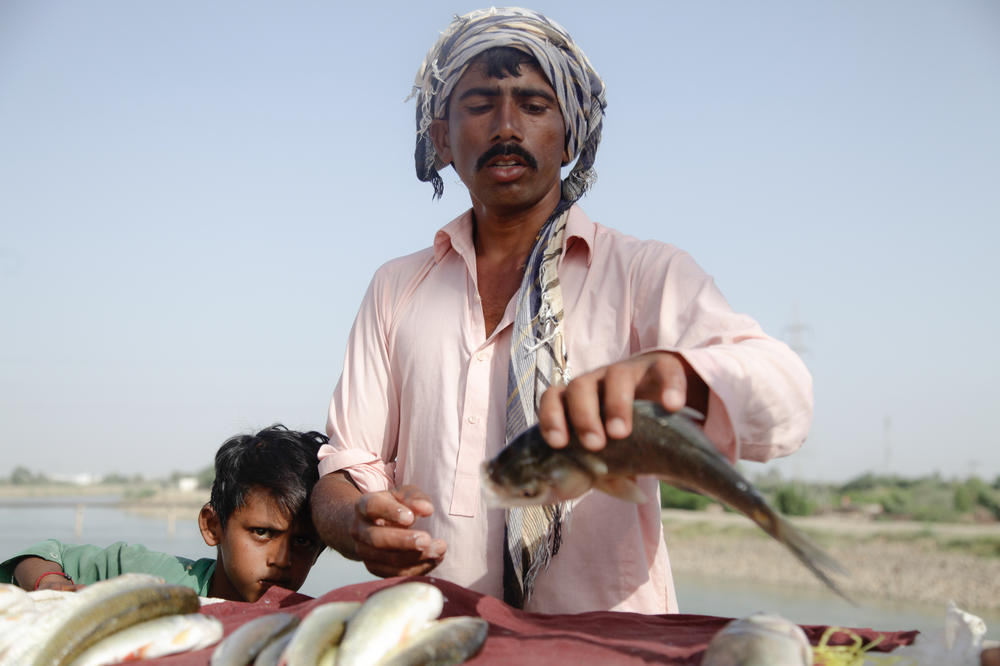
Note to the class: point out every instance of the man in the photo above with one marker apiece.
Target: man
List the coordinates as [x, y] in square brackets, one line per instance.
[455, 346]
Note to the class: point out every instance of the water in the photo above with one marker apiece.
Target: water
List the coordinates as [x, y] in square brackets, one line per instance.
[25, 522]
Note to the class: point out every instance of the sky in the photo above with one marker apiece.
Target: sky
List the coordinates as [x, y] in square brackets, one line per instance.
[194, 196]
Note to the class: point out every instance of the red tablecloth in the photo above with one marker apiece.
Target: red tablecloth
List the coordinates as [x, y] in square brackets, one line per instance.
[517, 637]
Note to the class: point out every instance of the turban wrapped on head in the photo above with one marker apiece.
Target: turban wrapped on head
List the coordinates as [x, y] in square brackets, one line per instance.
[578, 87]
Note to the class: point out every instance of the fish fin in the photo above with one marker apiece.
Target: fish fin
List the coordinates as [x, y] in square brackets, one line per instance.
[621, 487]
[818, 561]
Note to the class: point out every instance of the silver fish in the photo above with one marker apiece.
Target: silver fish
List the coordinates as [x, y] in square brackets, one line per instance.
[273, 654]
[667, 445]
[93, 618]
[165, 635]
[245, 643]
[321, 628]
[42, 622]
[386, 619]
[441, 643]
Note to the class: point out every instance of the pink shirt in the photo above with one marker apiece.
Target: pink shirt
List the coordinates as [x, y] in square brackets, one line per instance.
[422, 395]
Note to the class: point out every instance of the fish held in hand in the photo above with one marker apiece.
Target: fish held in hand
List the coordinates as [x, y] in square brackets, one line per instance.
[667, 445]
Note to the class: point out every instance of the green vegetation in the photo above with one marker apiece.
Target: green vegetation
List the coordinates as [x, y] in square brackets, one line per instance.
[929, 499]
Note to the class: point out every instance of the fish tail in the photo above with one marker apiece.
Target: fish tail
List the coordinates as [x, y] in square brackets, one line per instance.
[818, 561]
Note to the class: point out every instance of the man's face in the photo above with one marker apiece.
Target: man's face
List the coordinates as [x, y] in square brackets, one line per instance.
[505, 138]
[259, 547]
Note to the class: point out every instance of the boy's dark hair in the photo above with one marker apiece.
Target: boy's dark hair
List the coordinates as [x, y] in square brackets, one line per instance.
[276, 459]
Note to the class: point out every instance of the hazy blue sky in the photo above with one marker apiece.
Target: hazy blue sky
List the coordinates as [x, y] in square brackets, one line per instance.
[194, 195]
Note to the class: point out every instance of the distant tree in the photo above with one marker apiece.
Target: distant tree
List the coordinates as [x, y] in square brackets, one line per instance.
[23, 476]
[206, 476]
[114, 479]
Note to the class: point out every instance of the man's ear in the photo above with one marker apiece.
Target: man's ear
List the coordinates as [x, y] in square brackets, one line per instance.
[210, 526]
[439, 135]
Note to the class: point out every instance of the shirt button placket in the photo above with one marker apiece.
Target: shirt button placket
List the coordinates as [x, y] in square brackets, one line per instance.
[472, 440]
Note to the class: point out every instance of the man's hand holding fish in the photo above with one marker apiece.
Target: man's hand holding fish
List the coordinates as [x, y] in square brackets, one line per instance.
[659, 376]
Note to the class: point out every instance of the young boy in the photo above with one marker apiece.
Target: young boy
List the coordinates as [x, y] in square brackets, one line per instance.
[257, 518]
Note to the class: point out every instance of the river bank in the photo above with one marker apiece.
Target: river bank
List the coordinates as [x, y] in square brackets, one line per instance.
[927, 563]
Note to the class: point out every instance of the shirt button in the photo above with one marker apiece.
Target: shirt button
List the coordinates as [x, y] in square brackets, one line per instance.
[481, 356]
[473, 420]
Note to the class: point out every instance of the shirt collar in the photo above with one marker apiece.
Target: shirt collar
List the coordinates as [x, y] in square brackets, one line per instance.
[457, 235]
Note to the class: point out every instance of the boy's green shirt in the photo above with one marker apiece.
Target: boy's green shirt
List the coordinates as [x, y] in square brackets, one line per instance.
[88, 564]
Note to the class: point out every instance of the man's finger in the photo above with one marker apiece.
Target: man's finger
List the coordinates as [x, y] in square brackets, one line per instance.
[664, 381]
[414, 499]
[552, 417]
[583, 406]
[619, 393]
[384, 508]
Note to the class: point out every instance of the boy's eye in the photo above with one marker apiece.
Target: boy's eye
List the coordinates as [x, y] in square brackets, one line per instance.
[262, 532]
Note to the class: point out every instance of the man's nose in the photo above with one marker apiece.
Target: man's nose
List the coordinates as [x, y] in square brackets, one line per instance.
[508, 126]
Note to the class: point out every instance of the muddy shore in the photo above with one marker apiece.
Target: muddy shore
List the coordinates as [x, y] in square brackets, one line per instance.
[894, 561]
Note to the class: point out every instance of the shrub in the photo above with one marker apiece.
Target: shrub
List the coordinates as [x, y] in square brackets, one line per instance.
[675, 498]
[792, 501]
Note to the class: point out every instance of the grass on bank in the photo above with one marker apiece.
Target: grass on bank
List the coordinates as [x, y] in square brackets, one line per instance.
[926, 499]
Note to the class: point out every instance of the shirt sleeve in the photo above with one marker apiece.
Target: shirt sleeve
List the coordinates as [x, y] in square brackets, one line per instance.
[760, 392]
[87, 564]
[363, 420]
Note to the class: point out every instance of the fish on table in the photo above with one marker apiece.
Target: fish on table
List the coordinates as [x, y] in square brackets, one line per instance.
[668, 445]
[61, 634]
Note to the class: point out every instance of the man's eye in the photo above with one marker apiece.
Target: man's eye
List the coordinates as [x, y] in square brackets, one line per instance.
[536, 108]
[305, 542]
[262, 532]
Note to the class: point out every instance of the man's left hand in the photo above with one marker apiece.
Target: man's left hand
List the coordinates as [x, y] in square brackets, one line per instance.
[663, 377]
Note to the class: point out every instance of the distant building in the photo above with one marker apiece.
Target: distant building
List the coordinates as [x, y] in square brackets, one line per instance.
[187, 483]
[77, 479]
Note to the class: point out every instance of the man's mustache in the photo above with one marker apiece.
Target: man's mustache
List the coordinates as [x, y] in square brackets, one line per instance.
[507, 149]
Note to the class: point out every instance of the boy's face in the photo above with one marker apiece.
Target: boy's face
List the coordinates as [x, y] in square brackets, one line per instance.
[259, 547]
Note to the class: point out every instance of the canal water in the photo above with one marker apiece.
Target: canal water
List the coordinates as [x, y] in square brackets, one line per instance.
[27, 521]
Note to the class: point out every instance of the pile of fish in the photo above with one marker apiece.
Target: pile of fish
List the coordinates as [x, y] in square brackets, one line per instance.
[136, 616]
[396, 626]
[130, 617]
[668, 445]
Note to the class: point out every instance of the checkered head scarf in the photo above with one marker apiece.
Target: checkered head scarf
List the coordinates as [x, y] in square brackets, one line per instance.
[578, 88]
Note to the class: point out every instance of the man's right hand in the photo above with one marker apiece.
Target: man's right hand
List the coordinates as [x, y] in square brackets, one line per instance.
[383, 537]
[376, 528]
